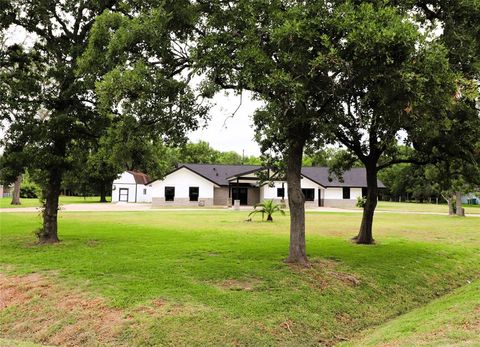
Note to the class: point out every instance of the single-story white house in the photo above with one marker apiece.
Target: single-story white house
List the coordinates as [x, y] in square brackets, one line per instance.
[471, 198]
[221, 185]
[131, 186]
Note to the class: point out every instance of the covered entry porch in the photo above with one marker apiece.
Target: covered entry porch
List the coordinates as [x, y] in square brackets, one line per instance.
[245, 189]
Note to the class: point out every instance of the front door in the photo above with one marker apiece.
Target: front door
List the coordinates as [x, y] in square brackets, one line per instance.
[241, 194]
[123, 194]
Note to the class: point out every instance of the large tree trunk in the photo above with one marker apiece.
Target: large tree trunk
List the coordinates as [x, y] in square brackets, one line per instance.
[49, 233]
[458, 204]
[103, 193]
[296, 202]
[365, 235]
[16, 191]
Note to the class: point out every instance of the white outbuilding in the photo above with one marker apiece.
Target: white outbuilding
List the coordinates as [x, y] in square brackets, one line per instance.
[132, 186]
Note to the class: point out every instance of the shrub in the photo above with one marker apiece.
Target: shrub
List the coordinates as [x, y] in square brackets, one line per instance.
[268, 207]
[361, 201]
[29, 191]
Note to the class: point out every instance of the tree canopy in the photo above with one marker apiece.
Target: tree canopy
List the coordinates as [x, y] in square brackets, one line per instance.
[87, 71]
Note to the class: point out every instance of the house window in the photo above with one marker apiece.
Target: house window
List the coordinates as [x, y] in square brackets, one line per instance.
[144, 192]
[280, 192]
[309, 194]
[364, 191]
[346, 193]
[193, 193]
[169, 193]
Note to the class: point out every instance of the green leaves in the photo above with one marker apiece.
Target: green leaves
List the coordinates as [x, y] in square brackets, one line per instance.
[140, 64]
[268, 207]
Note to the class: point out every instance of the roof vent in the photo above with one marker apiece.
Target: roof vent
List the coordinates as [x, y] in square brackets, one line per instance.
[216, 174]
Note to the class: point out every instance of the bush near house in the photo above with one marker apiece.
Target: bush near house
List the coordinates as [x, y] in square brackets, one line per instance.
[268, 207]
[29, 191]
[361, 201]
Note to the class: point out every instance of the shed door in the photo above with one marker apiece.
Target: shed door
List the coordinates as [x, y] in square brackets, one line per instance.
[123, 194]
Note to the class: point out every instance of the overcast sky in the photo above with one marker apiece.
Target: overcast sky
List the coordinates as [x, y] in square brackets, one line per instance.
[227, 133]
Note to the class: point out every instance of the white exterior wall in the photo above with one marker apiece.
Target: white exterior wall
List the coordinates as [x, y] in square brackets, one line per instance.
[333, 193]
[269, 193]
[355, 193]
[125, 177]
[337, 193]
[182, 179]
[141, 197]
[124, 181]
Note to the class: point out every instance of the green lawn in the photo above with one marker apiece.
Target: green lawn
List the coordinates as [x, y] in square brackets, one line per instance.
[453, 320]
[5, 202]
[210, 278]
[418, 207]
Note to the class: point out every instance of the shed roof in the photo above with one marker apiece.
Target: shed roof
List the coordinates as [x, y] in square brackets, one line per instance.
[140, 177]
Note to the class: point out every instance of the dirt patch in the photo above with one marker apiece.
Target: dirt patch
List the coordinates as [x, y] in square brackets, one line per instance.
[346, 278]
[34, 308]
[323, 273]
[287, 325]
[152, 309]
[473, 324]
[235, 284]
[315, 264]
[92, 243]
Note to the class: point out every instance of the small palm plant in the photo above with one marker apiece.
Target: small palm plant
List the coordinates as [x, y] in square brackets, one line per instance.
[268, 207]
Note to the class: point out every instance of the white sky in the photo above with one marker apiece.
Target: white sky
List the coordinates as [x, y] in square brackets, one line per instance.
[230, 133]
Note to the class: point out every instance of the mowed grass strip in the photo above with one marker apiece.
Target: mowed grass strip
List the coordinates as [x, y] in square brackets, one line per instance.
[422, 207]
[34, 202]
[221, 280]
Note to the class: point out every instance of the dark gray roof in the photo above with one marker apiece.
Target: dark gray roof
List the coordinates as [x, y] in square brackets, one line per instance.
[352, 178]
[219, 174]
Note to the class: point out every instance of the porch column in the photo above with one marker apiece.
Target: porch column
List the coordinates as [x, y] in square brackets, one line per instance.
[229, 199]
[236, 203]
